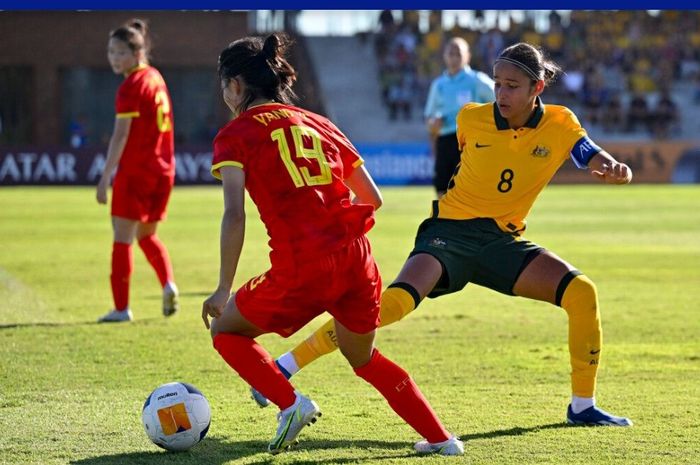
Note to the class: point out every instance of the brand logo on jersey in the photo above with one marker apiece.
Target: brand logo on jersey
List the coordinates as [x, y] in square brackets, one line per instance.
[255, 281]
[540, 152]
[437, 243]
[403, 384]
[480, 146]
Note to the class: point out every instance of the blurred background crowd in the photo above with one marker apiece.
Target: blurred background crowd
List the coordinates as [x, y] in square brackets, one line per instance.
[629, 74]
[621, 66]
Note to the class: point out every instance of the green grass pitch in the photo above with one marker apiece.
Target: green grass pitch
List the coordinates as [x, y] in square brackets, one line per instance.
[494, 367]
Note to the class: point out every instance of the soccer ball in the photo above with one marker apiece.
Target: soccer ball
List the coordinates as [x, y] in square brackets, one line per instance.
[176, 416]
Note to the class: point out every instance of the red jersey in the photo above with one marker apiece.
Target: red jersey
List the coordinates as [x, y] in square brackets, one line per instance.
[144, 98]
[294, 163]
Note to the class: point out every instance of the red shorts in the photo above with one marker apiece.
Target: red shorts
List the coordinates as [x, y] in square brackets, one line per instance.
[141, 198]
[346, 284]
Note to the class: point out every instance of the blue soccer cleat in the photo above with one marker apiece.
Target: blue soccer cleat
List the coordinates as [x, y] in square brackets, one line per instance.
[594, 416]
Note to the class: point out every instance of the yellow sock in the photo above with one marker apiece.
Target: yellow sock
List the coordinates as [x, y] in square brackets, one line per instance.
[396, 303]
[321, 342]
[580, 300]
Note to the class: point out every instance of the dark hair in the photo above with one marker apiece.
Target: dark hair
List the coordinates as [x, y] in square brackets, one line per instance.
[532, 61]
[134, 33]
[262, 66]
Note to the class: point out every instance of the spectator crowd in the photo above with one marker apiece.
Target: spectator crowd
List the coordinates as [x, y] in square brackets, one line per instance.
[621, 66]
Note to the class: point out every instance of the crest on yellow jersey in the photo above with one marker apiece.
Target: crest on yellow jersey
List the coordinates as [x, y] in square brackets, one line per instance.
[540, 152]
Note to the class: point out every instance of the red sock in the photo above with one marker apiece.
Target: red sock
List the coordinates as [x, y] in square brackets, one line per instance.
[256, 367]
[157, 256]
[122, 264]
[403, 396]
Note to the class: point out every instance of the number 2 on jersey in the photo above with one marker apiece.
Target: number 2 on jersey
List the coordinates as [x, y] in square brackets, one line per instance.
[163, 112]
[301, 175]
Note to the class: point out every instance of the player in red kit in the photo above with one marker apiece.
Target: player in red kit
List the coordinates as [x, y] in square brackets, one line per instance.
[301, 172]
[142, 151]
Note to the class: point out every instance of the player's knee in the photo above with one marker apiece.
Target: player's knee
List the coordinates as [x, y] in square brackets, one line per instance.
[145, 240]
[213, 330]
[577, 294]
[356, 356]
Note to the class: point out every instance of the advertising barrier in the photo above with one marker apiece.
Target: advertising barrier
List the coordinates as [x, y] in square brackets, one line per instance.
[389, 164]
[651, 162]
[60, 166]
[398, 164]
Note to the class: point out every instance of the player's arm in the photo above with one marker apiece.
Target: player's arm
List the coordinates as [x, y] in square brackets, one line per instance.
[362, 185]
[604, 167]
[231, 241]
[117, 142]
[433, 117]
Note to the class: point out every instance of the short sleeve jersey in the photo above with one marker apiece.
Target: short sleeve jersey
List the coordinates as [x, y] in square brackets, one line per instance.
[294, 163]
[448, 94]
[149, 149]
[503, 170]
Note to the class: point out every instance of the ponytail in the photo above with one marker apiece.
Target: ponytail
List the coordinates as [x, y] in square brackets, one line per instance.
[262, 66]
[134, 33]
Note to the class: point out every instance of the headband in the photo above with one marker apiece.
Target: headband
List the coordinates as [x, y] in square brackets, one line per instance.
[522, 66]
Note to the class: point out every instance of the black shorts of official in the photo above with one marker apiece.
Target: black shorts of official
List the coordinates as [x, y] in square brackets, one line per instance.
[475, 251]
[447, 157]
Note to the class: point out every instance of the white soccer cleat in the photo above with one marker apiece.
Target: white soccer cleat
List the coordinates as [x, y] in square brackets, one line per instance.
[452, 446]
[259, 399]
[170, 299]
[116, 316]
[291, 420]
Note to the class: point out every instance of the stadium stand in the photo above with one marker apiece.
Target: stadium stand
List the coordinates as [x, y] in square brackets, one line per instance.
[633, 77]
[630, 74]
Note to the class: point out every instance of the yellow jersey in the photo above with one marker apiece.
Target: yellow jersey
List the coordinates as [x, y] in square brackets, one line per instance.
[503, 170]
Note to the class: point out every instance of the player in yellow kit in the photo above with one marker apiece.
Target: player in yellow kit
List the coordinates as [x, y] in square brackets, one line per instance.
[510, 148]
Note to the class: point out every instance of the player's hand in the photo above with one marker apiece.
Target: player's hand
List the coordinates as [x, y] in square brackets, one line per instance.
[214, 305]
[434, 125]
[101, 193]
[613, 173]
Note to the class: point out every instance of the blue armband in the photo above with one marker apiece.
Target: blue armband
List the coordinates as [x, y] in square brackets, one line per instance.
[583, 151]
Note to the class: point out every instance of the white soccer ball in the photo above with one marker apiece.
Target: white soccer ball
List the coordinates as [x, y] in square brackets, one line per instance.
[176, 416]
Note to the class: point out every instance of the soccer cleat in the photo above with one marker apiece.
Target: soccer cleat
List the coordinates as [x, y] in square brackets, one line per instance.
[594, 416]
[170, 301]
[452, 446]
[116, 316]
[291, 420]
[259, 399]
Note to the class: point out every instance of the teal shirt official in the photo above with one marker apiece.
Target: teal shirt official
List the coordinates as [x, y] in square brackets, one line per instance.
[448, 94]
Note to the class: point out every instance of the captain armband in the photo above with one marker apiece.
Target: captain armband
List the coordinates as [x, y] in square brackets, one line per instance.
[584, 149]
